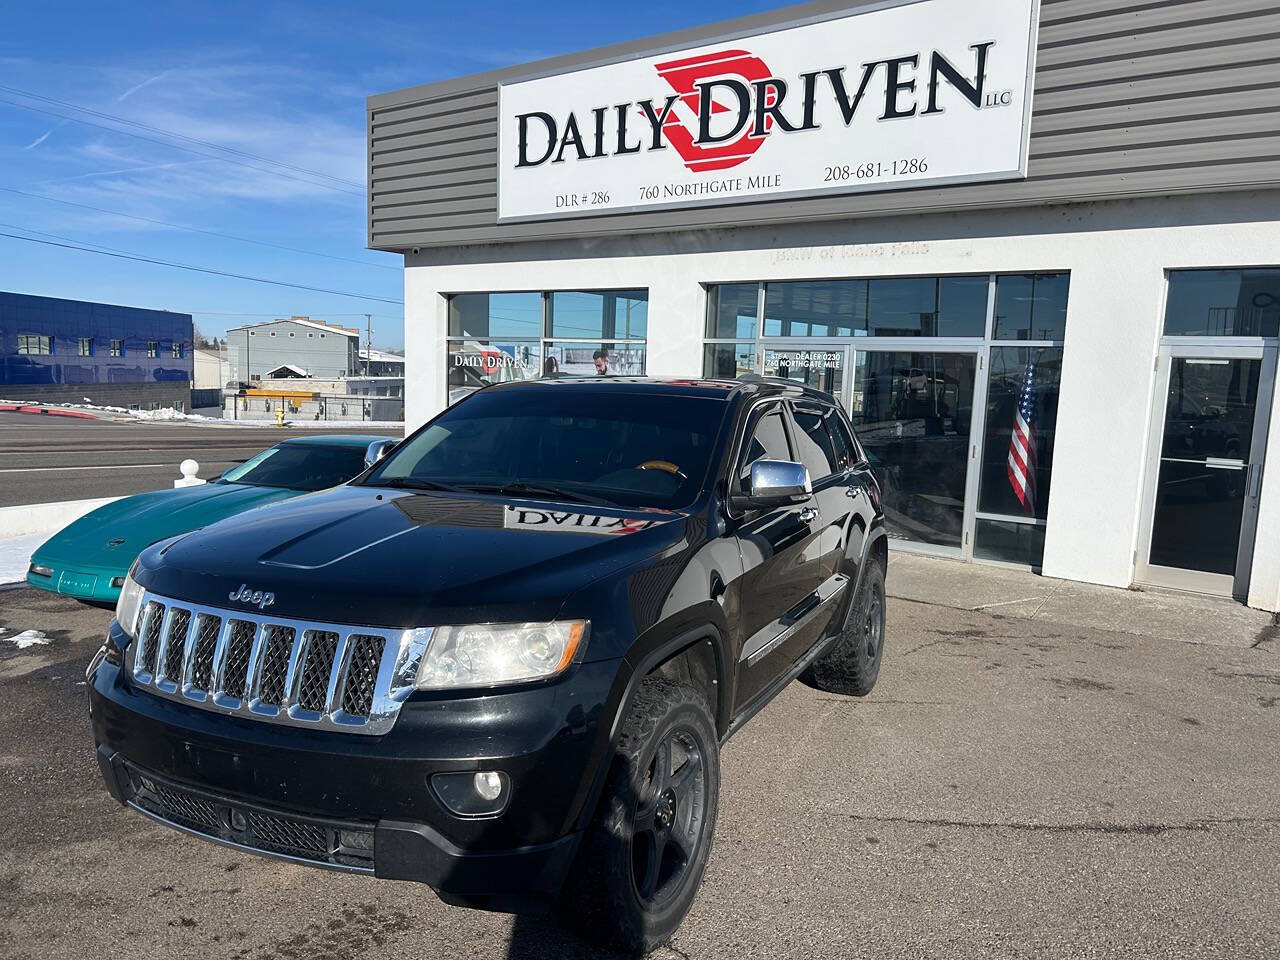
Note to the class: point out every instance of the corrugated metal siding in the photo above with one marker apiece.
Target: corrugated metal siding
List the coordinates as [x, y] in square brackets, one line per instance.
[1132, 99]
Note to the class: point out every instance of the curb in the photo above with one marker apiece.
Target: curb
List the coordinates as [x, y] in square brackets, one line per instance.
[46, 411]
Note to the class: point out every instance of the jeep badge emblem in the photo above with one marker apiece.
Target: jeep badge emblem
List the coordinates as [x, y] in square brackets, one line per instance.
[257, 598]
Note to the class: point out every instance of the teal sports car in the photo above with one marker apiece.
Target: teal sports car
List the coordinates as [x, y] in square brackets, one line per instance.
[88, 559]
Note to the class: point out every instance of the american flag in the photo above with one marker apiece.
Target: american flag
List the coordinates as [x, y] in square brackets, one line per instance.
[1022, 445]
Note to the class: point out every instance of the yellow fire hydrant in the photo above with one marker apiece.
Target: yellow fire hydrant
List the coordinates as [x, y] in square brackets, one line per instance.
[280, 417]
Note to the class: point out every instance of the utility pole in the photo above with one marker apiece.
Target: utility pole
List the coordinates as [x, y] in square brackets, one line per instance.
[368, 341]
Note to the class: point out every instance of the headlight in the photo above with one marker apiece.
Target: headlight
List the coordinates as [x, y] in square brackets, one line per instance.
[129, 606]
[488, 655]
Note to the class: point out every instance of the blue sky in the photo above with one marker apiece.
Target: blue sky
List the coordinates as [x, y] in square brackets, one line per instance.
[283, 81]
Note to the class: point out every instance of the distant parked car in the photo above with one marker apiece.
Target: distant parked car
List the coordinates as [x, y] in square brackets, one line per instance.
[89, 558]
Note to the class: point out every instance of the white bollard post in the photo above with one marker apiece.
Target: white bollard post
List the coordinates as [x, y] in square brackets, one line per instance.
[189, 470]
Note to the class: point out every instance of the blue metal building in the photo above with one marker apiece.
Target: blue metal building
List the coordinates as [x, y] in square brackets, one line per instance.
[67, 350]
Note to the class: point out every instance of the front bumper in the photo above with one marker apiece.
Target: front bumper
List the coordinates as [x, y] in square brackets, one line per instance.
[92, 584]
[365, 804]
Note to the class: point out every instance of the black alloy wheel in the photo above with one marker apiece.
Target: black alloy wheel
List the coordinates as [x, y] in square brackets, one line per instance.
[668, 821]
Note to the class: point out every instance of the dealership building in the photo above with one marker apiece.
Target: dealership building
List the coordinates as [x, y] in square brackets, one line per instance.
[1032, 247]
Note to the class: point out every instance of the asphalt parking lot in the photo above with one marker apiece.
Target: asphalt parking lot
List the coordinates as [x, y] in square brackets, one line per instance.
[45, 459]
[1012, 788]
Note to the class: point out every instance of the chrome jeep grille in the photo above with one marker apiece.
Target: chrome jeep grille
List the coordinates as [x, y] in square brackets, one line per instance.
[320, 675]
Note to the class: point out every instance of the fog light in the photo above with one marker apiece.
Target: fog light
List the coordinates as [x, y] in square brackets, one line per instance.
[40, 571]
[469, 794]
[117, 582]
[488, 785]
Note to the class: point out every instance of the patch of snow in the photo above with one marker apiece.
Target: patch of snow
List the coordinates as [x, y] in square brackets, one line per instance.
[28, 638]
[15, 556]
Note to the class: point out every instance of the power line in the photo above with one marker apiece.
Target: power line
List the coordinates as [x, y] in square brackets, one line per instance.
[177, 136]
[121, 255]
[233, 313]
[178, 146]
[210, 233]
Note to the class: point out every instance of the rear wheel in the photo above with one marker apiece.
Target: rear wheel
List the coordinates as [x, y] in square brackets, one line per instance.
[644, 855]
[852, 665]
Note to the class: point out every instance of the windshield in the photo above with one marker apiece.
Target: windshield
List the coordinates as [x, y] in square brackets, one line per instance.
[299, 467]
[613, 447]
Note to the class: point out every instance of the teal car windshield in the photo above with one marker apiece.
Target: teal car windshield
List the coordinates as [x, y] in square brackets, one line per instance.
[299, 467]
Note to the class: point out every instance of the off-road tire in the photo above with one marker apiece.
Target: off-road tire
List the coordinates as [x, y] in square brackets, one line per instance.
[601, 899]
[852, 665]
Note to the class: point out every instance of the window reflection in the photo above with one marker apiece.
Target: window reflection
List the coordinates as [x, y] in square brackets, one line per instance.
[1031, 306]
[912, 412]
[607, 315]
[728, 361]
[1008, 381]
[1223, 303]
[595, 359]
[825, 308]
[732, 311]
[504, 315]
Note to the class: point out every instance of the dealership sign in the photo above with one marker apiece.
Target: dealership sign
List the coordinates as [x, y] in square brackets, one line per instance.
[897, 95]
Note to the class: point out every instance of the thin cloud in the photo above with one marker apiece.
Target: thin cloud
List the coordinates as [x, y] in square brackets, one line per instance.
[39, 140]
[138, 86]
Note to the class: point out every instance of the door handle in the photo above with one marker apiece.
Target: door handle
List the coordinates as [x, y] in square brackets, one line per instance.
[853, 491]
[808, 514]
[1255, 480]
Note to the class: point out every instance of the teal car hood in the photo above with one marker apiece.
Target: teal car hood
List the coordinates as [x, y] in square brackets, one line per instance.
[113, 535]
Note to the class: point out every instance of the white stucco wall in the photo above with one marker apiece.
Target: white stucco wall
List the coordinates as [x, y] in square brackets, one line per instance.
[1117, 254]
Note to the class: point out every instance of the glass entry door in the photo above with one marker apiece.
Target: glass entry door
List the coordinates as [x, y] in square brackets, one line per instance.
[1205, 467]
[913, 411]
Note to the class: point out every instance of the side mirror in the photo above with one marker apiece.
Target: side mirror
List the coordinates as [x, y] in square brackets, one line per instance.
[775, 483]
[377, 450]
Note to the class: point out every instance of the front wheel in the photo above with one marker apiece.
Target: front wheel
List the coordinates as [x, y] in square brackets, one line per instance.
[852, 665]
[643, 857]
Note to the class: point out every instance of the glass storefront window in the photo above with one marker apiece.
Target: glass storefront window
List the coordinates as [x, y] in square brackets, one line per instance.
[1223, 303]
[478, 363]
[499, 315]
[914, 408]
[1018, 373]
[1007, 542]
[819, 308]
[728, 361]
[607, 315]
[733, 310]
[1031, 306]
[595, 359]
[498, 337]
[927, 306]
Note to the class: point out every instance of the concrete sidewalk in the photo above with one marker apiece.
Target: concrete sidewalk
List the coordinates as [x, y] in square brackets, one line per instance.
[1005, 592]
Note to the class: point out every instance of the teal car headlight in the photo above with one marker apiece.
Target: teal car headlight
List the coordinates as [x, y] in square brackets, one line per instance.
[129, 606]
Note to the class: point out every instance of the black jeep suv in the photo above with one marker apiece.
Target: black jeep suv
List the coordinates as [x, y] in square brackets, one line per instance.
[502, 661]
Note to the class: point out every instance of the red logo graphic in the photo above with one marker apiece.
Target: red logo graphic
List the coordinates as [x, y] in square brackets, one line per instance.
[684, 77]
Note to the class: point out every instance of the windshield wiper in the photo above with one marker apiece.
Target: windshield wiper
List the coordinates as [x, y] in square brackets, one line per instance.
[412, 483]
[520, 489]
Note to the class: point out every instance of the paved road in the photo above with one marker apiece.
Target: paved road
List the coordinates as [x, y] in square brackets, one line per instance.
[1012, 788]
[44, 459]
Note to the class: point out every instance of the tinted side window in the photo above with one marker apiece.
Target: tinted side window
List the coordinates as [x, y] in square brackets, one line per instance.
[817, 448]
[767, 440]
[846, 449]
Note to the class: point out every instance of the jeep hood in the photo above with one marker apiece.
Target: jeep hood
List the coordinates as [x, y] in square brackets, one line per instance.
[390, 558]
